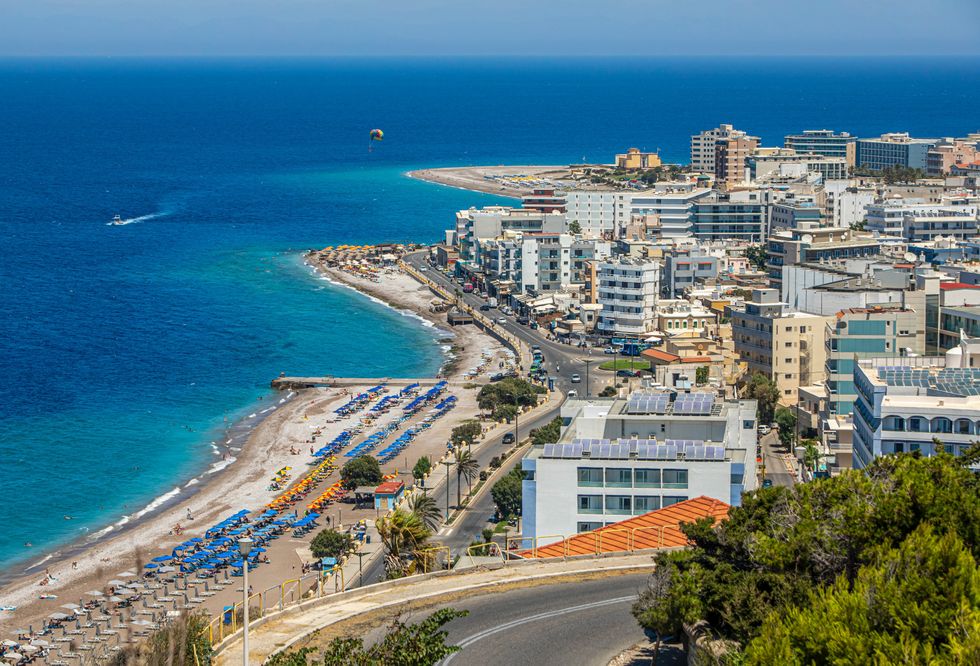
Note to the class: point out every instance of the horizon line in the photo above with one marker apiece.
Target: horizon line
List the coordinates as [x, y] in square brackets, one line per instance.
[471, 56]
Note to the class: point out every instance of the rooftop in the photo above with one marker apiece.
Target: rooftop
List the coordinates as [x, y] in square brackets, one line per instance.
[657, 529]
[389, 488]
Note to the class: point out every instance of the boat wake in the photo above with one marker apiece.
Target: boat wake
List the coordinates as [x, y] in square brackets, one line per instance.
[133, 220]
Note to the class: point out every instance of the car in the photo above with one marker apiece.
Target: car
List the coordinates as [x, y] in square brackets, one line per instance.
[764, 429]
[628, 373]
[422, 269]
[501, 320]
[575, 379]
[509, 438]
[572, 394]
[767, 483]
[524, 321]
[535, 348]
[484, 308]
[610, 350]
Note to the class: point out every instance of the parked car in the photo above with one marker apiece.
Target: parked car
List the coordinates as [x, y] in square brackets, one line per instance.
[523, 321]
[509, 438]
[572, 394]
[764, 429]
[767, 483]
[610, 350]
[575, 379]
[628, 373]
[501, 320]
[484, 307]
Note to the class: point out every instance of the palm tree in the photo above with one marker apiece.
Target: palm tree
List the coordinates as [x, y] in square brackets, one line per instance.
[403, 534]
[466, 467]
[426, 509]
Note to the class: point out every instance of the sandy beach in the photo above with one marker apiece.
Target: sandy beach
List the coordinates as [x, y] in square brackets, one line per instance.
[508, 181]
[283, 438]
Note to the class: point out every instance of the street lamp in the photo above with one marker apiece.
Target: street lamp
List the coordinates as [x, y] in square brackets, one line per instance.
[588, 392]
[245, 547]
[448, 464]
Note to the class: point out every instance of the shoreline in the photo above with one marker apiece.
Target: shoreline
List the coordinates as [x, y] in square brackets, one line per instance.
[260, 445]
[496, 180]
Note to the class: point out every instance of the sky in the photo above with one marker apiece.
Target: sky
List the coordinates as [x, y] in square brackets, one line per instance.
[485, 27]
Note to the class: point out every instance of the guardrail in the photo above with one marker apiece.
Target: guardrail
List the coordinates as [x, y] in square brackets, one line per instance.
[287, 593]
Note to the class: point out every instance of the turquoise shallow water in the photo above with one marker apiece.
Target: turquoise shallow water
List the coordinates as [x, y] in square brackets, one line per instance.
[124, 349]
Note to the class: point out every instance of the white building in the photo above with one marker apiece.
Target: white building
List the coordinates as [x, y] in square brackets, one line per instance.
[595, 211]
[903, 404]
[917, 220]
[627, 291]
[474, 225]
[671, 205]
[619, 458]
[788, 163]
[847, 203]
[552, 262]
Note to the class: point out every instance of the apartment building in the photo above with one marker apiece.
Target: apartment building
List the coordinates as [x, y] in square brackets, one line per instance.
[916, 220]
[544, 200]
[886, 331]
[703, 146]
[474, 225]
[738, 215]
[948, 152]
[686, 267]
[624, 457]
[553, 262]
[925, 405]
[801, 246]
[671, 208]
[786, 346]
[595, 211]
[731, 157]
[846, 203]
[787, 162]
[627, 291]
[893, 149]
[824, 142]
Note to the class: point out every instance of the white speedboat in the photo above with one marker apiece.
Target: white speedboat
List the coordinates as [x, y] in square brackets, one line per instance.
[117, 221]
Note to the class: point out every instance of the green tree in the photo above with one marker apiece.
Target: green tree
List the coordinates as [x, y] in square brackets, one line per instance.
[466, 432]
[420, 644]
[785, 418]
[507, 492]
[331, 543]
[757, 255]
[918, 603]
[508, 393]
[426, 509]
[783, 545]
[422, 467]
[668, 601]
[467, 467]
[363, 470]
[403, 535]
[764, 390]
[608, 392]
[701, 375]
[574, 227]
[547, 434]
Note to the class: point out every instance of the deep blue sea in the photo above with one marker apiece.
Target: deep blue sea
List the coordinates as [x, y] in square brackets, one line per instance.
[125, 349]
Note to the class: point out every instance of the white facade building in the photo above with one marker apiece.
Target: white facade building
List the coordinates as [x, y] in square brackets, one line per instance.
[903, 404]
[846, 203]
[627, 291]
[917, 220]
[672, 207]
[595, 210]
[703, 146]
[619, 458]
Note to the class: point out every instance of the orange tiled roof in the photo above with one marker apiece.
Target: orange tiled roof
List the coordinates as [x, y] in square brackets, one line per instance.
[660, 355]
[389, 488]
[657, 529]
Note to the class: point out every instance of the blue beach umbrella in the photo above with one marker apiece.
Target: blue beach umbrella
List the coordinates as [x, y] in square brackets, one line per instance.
[151, 565]
[163, 558]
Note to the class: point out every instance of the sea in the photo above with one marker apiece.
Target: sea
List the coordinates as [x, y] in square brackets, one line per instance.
[127, 351]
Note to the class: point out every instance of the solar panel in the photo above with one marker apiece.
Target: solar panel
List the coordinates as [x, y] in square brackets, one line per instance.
[549, 451]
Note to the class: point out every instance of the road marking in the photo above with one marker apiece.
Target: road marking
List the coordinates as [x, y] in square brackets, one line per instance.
[466, 642]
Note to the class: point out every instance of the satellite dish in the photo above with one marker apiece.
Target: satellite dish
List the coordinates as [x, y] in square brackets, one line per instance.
[910, 257]
[807, 238]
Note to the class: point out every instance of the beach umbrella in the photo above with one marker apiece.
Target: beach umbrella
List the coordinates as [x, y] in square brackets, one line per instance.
[58, 616]
[9, 643]
[126, 574]
[116, 600]
[117, 582]
[166, 569]
[71, 606]
[40, 642]
[13, 656]
[95, 593]
[29, 648]
[162, 558]
[196, 540]
[151, 565]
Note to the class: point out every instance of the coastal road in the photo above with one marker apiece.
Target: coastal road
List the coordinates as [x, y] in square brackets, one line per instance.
[468, 527]
[586, 623]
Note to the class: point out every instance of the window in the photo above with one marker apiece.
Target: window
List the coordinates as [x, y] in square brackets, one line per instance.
[675, 478]
[619, 504]
[942, 424]
[917, 424]
[646, 478]
[963, 426]
[645, 503]
[669, 500]
[590, 477]
[590, 503]
[619, 478]
[588, 527]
